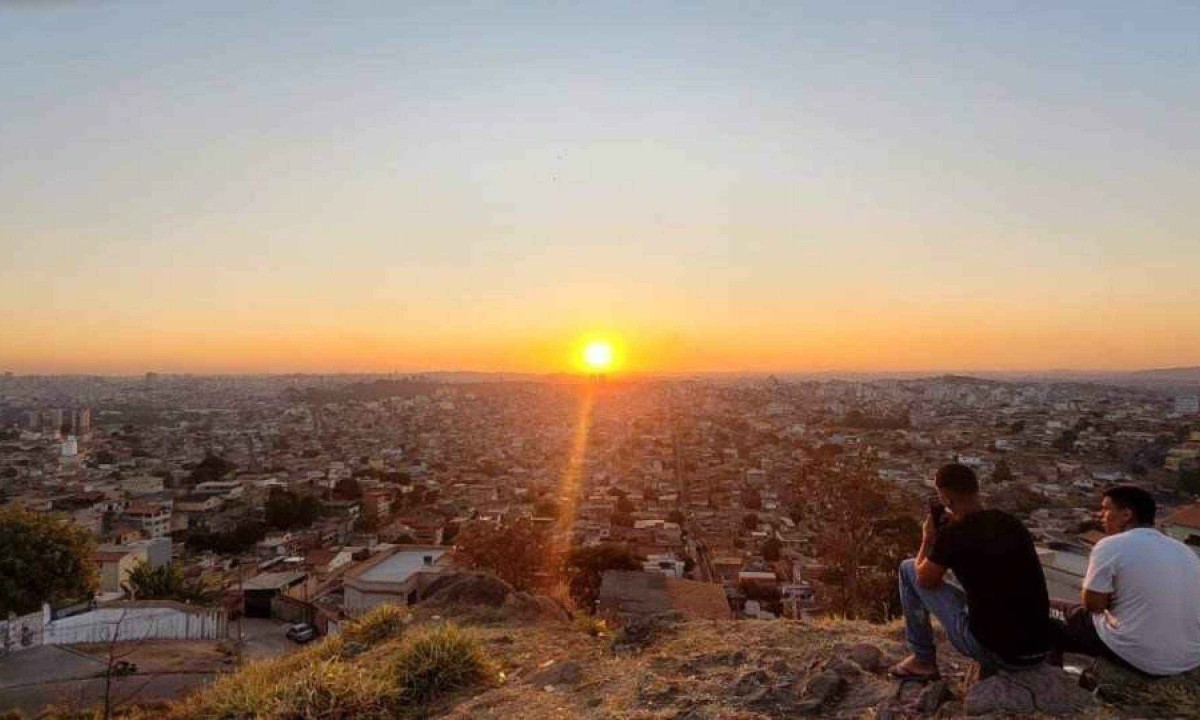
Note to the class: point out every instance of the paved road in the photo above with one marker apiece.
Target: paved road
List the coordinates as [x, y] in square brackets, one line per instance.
[50, 675]
[81, 694]
[264, 638]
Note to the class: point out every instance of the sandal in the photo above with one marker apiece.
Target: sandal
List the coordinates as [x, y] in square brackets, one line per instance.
[900, 672]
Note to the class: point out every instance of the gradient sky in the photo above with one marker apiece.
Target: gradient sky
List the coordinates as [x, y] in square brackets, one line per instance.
[385, 186]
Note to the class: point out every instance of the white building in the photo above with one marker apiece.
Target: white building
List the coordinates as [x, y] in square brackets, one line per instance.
[393, 576]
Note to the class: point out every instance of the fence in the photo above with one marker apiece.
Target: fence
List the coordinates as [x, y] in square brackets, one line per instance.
[125, 622]
[138, 622]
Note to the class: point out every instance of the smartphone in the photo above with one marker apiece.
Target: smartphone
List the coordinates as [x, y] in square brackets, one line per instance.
[937, 511]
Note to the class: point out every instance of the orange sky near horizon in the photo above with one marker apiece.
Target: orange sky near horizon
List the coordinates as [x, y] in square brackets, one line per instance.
[376, 187]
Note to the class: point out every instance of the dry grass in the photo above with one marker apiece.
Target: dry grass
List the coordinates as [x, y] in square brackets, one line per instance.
[382, 623]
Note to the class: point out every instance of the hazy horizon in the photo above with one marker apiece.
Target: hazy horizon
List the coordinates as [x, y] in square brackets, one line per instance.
[790, 188]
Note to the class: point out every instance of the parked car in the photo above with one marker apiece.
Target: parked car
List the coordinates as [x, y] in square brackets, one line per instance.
[301, 633]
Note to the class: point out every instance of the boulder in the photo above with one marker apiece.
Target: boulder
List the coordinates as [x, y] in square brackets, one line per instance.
[932, 696]
[1141, 695]
[1045, 689]
[750, 681]
[867, 656]
[823, 690]
[524, 606]
[569, 672]
[467, 588]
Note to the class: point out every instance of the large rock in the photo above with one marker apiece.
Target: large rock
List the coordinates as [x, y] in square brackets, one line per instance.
[524, 606]
[1141, 695]
[822, 691]
[569, 672]
[867, 656]
[1045, 689]
[467, 588]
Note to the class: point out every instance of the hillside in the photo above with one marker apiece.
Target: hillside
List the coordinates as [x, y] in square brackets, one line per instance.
[496, 666]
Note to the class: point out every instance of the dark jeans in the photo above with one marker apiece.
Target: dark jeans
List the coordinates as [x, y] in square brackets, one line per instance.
[1077, 634]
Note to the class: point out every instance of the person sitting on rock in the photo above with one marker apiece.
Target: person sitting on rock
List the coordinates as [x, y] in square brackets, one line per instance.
[1141, 594]
[1000, 618]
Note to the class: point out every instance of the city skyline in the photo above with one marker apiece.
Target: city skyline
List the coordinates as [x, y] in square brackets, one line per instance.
[376, 188]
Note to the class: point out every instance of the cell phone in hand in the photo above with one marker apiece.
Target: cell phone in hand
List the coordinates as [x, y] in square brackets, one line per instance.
[937, 512]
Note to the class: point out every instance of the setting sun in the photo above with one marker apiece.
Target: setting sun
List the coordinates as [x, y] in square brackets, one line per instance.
[598, 355]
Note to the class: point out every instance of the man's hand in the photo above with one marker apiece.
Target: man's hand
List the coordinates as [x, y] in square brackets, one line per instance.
[928, 531]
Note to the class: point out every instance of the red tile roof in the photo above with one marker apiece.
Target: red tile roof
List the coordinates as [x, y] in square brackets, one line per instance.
[1186, 516]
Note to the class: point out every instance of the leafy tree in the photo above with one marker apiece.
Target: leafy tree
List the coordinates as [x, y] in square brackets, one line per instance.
[516, 553]
[285, 510]
[211, 468]
[772, 550]
[750, 522]
[752, 500]
[861, 540]
[1065, 442]
[43, 558]
[240, 538]
[167, 582]
[676, 516]
[586, 567]
[625, 505]
[347, 489]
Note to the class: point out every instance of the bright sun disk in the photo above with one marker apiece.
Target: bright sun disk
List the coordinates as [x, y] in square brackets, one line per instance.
[598, 355]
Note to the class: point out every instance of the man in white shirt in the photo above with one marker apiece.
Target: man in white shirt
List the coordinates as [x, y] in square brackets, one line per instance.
[1141, 595]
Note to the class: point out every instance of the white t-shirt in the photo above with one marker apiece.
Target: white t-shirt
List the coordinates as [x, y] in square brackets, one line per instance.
[1154, 619]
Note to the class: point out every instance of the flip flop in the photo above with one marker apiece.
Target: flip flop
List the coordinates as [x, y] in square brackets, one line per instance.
[902, 673]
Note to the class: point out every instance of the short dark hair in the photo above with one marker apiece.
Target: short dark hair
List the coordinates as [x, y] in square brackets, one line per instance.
[1129, 497]
[956, 478]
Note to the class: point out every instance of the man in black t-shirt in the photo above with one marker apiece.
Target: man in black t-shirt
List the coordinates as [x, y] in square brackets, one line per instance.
[1001, 618]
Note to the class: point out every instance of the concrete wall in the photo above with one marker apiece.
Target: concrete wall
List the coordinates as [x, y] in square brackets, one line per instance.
[23, 631]
[137, 622]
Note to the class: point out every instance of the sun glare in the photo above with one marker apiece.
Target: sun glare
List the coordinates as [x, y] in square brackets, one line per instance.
[598, 355]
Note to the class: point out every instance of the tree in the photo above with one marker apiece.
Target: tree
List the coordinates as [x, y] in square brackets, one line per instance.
[285, 510]
[516, 553]
[347, 489]
[861, 540]
[1065, 442]
[772, 550]
[43, 558]
[586, 567]
[750, 522]
[212, 467]
[752, 500]
[625, 505]
[676, 516]
[165, 583]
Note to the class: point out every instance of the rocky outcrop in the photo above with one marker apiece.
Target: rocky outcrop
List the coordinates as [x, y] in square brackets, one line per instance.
[467, 588]
[1044, 689]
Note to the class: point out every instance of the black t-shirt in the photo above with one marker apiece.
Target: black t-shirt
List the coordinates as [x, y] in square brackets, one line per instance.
[992, 555]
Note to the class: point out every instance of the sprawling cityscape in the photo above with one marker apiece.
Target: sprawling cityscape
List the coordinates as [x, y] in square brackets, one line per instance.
[311, 499]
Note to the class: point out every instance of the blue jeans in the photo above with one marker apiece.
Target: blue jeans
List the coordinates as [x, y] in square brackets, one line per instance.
[949, 605]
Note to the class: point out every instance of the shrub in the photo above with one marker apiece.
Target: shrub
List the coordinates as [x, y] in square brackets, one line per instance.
[439, 661]
[592, 625]
[381, 623]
